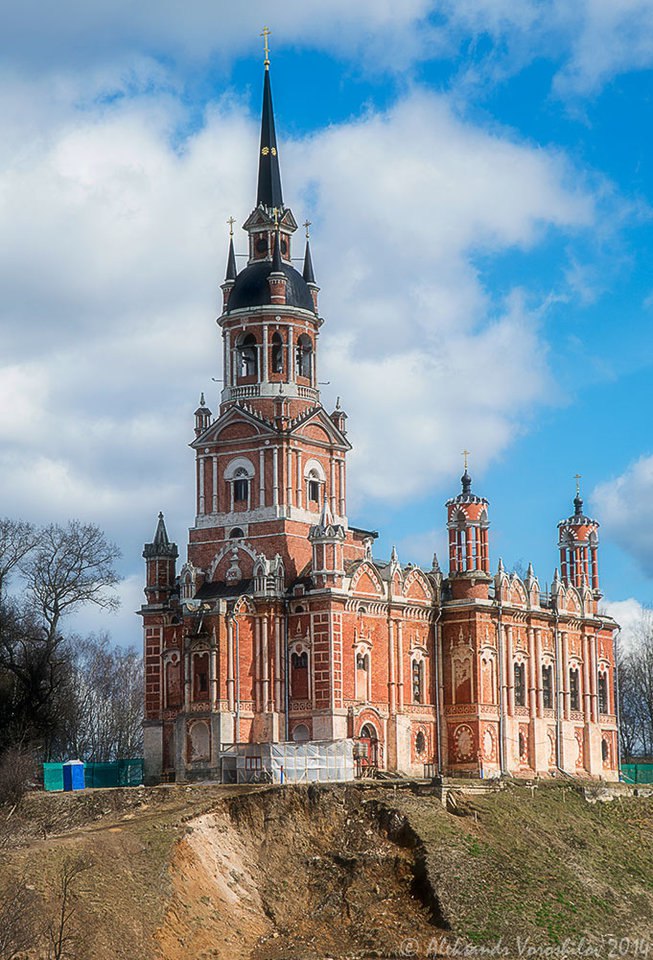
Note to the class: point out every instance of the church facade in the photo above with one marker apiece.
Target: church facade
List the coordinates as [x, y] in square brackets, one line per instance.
[281, 624]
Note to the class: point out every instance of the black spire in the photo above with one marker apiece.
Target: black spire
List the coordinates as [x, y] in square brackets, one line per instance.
[232, 272]
[578, 505]
[309, 276]
[160, 546]
[269, 176]
[161, 534]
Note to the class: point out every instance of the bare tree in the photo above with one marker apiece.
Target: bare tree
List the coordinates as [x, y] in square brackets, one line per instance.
[61, 568]
[636, 691]
[62, 932]
[35, 682]
[20, 927]
[17, 539]
[108, 681]
[71, 566]
[17, 772]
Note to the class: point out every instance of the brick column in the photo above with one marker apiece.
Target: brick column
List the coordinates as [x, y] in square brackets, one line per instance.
[230, 665]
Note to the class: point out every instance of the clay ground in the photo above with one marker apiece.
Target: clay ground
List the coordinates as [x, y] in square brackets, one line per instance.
[309, 873]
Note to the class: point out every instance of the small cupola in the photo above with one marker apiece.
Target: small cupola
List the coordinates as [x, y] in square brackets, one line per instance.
[202, 417]
[339, 418]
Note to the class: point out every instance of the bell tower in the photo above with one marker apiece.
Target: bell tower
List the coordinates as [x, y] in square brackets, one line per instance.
[578, 541]
[266, 464]
[468, 525]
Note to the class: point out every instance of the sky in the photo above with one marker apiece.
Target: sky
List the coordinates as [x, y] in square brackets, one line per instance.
[479, 181]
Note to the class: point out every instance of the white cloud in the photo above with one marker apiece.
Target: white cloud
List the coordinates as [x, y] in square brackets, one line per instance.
[392, 34]
[635, 620]
[113, 242]
[590, 40]
[607, 38]
[422, 357]
[625, 505]
[110, 291]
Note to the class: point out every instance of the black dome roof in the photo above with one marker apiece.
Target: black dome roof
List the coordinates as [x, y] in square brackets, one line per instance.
[252, 289]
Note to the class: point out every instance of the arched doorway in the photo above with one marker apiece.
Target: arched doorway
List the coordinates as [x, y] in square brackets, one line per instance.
[370, 738]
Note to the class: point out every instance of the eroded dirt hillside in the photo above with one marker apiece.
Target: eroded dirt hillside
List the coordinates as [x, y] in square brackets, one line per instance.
[309, 873]
[300, 873]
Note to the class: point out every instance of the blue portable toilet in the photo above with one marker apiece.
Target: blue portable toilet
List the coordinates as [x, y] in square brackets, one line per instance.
[73, 775]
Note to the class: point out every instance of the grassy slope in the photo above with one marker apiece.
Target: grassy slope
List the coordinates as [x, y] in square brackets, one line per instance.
[546, 866]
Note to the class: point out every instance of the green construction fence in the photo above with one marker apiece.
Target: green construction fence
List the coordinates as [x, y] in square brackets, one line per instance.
[113, 773]
[637, 772]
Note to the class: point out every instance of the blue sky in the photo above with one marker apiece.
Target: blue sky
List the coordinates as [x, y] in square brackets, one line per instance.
[480, 184]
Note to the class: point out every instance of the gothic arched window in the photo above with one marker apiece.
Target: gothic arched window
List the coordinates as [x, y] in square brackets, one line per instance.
[520, 686]
[603, 693]
[299, 675]
[574, 691]
[248, 356]
[418, 681]
[277, 354]
[304, 358]
[547, 687]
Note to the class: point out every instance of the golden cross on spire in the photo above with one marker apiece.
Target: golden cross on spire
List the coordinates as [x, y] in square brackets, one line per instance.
[577, 478]
[465, 455]
[265, 34]
[231, 222]
[306, 224]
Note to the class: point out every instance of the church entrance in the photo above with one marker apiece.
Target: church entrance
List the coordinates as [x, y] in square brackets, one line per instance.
[370, 742]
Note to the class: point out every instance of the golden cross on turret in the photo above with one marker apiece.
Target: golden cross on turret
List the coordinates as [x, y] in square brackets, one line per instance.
[465, 455]
[231, 222]
[577, 478]
[306, 224]
[265, 34]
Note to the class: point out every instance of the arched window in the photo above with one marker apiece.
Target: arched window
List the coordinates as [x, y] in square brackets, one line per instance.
[315, 483]
[418, 681]
[304, 357]
[605, 751]
[603, 693]
[241, 485]
[547, 687]
[277, 354]
[248, 358]
[173, 685]
[314, 486]
[420, 743]
[236, 533]
[520, 686]
[574, 691]
[362, 676]
[299, 675]
[201, 676]
[522, 747]
[300, 733]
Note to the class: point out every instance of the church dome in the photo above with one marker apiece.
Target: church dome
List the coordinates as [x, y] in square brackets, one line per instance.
[251, 288]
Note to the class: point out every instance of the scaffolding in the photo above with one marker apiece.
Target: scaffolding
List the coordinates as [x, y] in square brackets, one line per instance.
[315, 761]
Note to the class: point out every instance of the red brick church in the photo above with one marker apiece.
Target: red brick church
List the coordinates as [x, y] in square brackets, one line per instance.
[283, 626]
